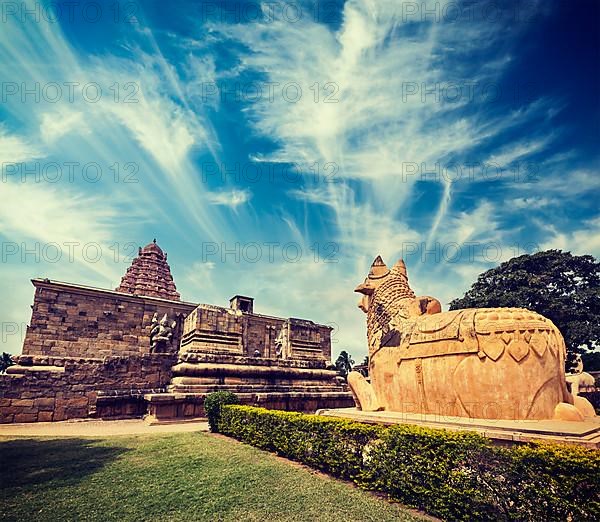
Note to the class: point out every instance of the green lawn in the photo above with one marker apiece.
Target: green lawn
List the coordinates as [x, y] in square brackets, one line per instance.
[187, 476]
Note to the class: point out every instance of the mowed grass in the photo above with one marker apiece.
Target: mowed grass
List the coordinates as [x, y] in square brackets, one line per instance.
[186, 476]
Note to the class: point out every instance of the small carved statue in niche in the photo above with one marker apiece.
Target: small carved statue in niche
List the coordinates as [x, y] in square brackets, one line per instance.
[161, 334]
[281, 342]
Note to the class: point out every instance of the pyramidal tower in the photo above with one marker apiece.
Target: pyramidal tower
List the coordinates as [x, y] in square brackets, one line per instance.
[150, 275]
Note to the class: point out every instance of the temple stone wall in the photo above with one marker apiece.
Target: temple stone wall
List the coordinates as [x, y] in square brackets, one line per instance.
[309, 340]
[42, 389]
[75, 321]
[261, 333]
[218, 330]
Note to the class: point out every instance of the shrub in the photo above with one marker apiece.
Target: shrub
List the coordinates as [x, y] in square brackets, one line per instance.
[452, 475]
[332, 445]
[213, 404]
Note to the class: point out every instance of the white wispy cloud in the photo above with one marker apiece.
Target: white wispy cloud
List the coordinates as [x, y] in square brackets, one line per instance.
[517, 151]
[56, 124]
[15, 149]
[230, 198]
[131, 109]
[381, 126]
[381, 121]
[583, 240]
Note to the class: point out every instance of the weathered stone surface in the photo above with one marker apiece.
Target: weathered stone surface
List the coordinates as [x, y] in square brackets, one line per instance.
[586, 433]
[584, 406]
[568, 412]
[363, 392]
[44, 404]
[169, 407]
[22, 403]
[25, 417]
[114, 324]
[491, 363]
[73, 393]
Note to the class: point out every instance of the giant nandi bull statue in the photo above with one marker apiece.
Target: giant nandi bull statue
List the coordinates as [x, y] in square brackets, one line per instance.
[494, 363]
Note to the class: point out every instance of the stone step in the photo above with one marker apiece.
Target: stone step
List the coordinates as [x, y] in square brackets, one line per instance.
[249, 388]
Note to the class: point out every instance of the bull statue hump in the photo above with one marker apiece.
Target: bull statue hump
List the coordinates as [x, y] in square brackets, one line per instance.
[487, 363]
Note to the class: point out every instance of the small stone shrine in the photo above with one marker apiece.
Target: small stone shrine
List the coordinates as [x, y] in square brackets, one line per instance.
[140, 350]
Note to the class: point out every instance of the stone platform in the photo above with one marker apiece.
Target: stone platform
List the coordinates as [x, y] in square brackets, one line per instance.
[292, 385]
[166, 408]
[585, 433]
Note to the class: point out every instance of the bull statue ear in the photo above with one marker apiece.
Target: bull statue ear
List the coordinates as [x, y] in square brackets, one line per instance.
[364, 288]
[378, 269]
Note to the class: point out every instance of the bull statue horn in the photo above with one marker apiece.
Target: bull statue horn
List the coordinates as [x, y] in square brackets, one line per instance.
[378, 269]
[400, 268]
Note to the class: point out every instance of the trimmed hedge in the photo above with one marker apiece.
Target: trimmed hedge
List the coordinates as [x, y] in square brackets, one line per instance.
[452, 475]
[213, 404]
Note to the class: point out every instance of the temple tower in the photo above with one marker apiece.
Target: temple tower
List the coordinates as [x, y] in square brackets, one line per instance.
[150, 275]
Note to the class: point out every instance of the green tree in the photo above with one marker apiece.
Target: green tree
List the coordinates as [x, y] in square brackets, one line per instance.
[364, 366]
[562, 287]
[5, 361]
[344, 364]
[591, 361]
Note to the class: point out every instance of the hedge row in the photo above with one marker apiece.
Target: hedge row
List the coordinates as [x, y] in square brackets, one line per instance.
[452, 475]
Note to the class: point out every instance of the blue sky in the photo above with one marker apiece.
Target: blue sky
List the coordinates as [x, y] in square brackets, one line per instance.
[274, 149]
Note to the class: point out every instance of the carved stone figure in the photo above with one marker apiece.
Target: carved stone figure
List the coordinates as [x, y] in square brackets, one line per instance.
[579, 379]
[495, 363]
[161, 334]
[281, 343]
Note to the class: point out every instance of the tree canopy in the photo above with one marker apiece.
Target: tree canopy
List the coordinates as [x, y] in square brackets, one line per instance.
[562, 287]
[5, 361]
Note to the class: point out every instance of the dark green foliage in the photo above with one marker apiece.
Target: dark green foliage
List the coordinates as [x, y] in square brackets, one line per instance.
[344, 363]
[591, 361]
[328, 444]
[452, 475]
[212, 406]
[5, 361]
[562, 287]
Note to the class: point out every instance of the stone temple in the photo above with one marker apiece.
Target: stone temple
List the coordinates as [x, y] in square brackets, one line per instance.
[139, 350]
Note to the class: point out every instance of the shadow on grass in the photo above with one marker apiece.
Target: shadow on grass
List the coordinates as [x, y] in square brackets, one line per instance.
[27, 462]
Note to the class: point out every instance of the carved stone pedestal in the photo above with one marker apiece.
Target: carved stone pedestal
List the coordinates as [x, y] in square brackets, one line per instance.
[296, 385]
[586, 433]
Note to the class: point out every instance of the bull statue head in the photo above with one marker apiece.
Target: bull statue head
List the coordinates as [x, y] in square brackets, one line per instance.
[377, 274]
[386, 292]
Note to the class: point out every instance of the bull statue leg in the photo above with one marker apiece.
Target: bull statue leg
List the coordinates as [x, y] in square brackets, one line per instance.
[363, 393]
